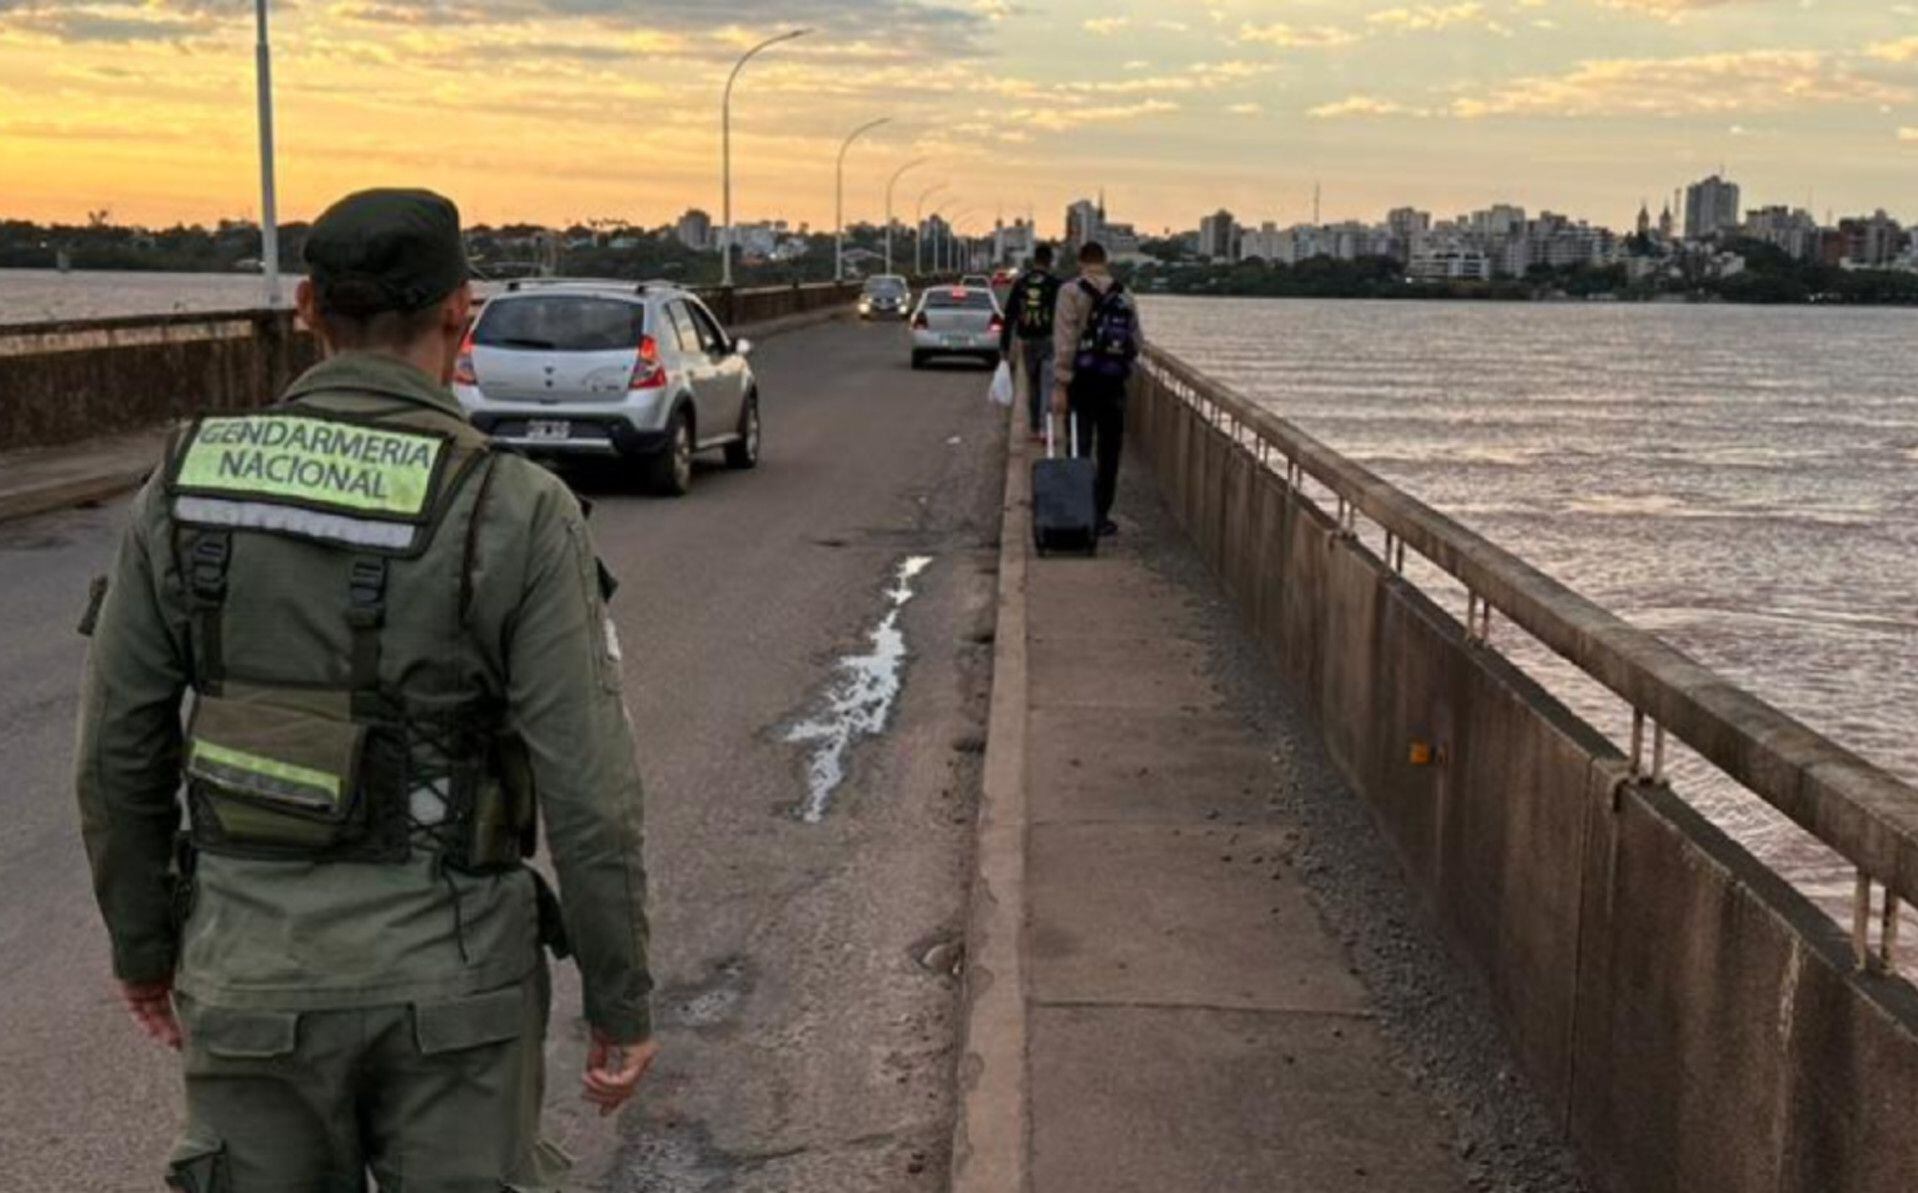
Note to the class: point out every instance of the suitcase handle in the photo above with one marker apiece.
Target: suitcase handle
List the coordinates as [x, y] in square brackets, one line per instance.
[1072, 434]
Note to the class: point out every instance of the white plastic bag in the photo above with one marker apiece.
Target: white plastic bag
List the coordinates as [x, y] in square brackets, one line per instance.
[1001, 392]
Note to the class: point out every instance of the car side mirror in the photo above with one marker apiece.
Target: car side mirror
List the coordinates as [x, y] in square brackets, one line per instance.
[742, 347]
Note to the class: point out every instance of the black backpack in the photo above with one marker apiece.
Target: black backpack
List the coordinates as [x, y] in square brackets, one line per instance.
[1033, 313]
[1110, 342]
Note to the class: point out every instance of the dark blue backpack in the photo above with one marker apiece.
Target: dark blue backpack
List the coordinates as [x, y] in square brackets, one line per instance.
[1110, 342]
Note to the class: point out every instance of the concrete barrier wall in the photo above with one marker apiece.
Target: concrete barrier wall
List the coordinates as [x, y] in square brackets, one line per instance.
[1694, 1023]
[62, 382]
[66, 381]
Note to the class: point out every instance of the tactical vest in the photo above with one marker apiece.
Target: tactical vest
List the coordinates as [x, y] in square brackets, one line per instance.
[303, 771]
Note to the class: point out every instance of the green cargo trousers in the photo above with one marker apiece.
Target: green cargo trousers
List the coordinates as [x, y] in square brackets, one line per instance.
[429, 1098]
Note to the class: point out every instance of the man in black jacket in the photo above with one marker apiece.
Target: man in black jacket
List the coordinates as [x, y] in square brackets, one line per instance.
[1030, 308]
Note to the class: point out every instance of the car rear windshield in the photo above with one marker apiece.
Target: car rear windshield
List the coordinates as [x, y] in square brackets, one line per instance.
[888, 287]
[561, 323]
[967, 300]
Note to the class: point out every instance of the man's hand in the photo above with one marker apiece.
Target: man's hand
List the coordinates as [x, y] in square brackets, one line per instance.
[1059, 403]
[151, 1005]
[613, 1071]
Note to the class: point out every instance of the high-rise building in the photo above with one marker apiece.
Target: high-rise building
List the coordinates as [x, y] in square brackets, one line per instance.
[1218, 233]
[1872, 241]
[1794, 231]
[1085, 220]
[1500, 219]
[1263, 244]
[1409, 227]
[1711, 208]
[695, 229]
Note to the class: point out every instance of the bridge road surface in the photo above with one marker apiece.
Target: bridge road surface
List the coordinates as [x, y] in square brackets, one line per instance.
[806, 1046]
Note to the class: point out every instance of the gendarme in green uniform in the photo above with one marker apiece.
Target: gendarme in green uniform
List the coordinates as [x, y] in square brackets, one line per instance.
[393, 647]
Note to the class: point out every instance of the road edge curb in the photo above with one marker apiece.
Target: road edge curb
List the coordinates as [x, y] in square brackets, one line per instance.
[45, 499]
[992, 1129]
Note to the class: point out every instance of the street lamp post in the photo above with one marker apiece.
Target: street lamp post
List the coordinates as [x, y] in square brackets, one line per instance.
[269, 213]
[953, 240]
[890, 183]
[839, 197]
[919, 229]
[726, 153]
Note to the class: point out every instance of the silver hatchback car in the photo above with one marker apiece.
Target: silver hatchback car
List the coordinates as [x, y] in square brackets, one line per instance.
[624, 370]
[956, 321]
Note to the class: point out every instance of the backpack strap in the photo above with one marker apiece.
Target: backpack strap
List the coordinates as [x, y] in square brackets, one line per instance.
[366, 617]
[206, 568]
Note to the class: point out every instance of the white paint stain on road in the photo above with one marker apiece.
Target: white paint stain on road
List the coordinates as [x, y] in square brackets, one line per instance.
[859, 699]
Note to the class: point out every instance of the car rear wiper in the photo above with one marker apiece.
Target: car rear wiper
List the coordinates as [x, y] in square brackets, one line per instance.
[518, 342]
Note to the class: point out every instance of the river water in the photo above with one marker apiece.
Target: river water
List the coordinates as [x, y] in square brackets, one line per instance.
[1741, 481]
[37, 295]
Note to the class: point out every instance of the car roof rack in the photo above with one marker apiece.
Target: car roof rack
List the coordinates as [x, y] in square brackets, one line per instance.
[627, 284]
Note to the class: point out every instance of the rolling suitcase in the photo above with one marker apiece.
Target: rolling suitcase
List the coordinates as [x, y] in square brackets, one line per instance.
[1065, 511]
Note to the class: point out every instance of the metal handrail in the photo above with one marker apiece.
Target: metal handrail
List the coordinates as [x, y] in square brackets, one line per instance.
[1860, 810]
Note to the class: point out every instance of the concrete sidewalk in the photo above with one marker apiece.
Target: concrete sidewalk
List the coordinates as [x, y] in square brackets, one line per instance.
[1178, 1015]
[38, 480]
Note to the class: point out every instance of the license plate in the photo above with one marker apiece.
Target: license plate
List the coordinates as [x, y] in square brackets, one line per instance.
[952, 341]
[549, 428]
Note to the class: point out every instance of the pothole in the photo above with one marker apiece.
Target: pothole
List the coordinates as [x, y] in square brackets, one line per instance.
[859, 698]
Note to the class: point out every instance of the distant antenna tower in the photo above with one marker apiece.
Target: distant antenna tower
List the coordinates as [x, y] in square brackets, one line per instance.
[1315, 203]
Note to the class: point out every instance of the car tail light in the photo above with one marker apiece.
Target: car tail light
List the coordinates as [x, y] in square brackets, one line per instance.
[648, 373]
[463, 373]
[997, 324]
[921, 323]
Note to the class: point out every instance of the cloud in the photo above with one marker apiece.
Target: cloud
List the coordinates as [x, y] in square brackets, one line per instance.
[918, 28]
[1288, 37]
[113, 23]
[1908, 135]
[1905, 49]
[1422, 17]
[1735, 84]
[1247, 109]
[1065, 119]
[1364, 105]
[1107, 26]
[1671, 10]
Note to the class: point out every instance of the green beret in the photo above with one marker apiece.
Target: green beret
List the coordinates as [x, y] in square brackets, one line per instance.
[404, 243]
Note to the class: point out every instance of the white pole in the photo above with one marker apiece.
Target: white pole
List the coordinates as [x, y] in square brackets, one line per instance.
[953, 240]
[726, 154]
[892, 182]
[839, 197]
[269, 208]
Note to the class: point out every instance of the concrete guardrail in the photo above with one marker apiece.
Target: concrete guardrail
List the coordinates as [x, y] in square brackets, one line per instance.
[1694, 1022]
[73, 379]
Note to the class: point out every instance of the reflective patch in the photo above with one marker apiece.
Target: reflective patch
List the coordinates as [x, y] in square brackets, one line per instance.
[315, 460]
[250, 773]
[288, 519]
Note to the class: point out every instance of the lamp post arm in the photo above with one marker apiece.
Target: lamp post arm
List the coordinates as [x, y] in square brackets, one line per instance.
[839, 196]
[726, 151]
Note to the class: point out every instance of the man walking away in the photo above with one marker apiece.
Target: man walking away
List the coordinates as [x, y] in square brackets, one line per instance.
[1096, 338]
[1030, 309]
[399, 655]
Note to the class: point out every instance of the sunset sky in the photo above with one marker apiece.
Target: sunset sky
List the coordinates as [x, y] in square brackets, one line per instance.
[562, 110]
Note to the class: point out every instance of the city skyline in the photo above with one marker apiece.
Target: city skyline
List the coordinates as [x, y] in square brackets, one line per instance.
[1587, 106]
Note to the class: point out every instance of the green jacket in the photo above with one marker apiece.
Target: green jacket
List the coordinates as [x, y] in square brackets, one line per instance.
[248, 932]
